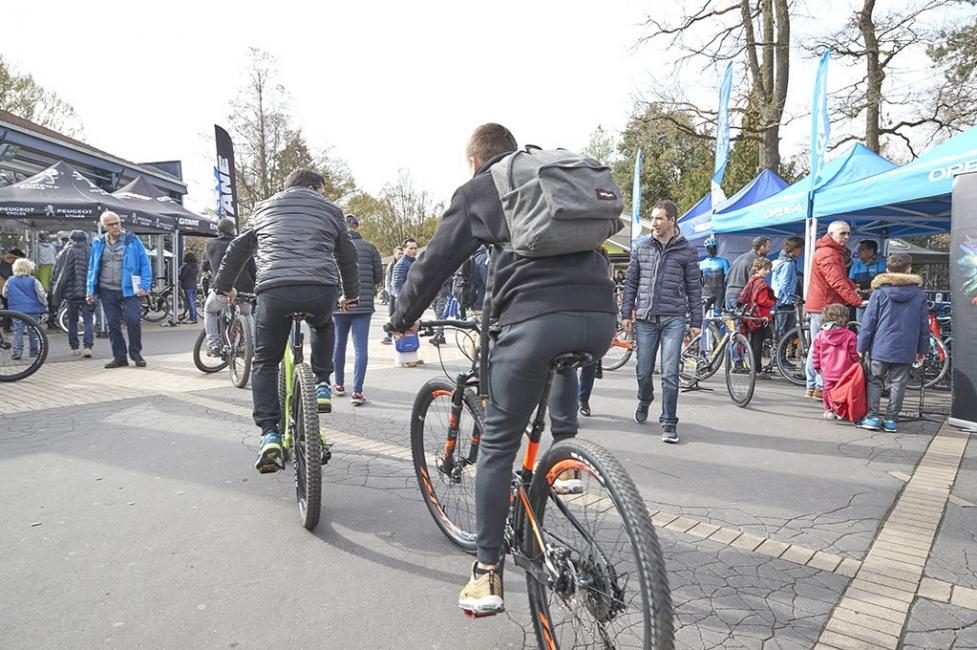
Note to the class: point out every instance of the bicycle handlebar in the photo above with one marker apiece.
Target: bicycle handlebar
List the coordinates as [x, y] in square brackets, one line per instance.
[430, 324]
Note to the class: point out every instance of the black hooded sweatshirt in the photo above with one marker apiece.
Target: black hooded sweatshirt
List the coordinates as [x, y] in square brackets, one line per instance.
[522, 287]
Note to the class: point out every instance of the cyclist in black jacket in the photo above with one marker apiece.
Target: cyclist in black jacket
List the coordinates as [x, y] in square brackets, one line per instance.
[540, 308]
[303, 251]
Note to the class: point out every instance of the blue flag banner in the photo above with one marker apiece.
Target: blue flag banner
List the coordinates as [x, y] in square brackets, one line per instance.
[722, 138]
[820, 120]
[636, 199]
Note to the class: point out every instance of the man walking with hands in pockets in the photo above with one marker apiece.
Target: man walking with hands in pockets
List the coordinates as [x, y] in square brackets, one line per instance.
[660, 288]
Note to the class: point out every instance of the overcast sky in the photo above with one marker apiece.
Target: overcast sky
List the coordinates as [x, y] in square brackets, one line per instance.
[385, 85]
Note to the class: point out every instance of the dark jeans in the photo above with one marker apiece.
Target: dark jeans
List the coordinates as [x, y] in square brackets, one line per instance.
[272, 329]
[587, 376]
[119, 310]
[519, 362]
[757, 337]
[87, 313]
[785, 319]
[898, 374]
[666, 331]
[359, 324]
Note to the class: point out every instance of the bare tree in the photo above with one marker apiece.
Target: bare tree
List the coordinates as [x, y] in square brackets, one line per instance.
[21, 95]
[878, 40]
[402, 211]
[716, 33]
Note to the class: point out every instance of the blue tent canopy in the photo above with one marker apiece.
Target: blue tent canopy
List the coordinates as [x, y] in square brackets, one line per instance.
[697, 223]
[785, 212]
[910, 200]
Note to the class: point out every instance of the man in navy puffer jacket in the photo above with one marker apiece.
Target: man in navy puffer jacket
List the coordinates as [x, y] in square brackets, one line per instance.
[660, 288]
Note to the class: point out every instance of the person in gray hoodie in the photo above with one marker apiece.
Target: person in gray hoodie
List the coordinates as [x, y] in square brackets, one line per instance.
[70, 275]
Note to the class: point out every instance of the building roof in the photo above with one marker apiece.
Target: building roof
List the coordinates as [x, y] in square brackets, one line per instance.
[128, 169]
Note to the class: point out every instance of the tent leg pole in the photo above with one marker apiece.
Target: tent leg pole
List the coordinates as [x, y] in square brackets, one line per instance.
[175, 277]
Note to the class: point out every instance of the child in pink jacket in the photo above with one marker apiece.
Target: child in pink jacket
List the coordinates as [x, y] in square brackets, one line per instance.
[835, 351]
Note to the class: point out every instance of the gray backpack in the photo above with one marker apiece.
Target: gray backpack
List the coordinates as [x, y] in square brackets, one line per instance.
[557, 202]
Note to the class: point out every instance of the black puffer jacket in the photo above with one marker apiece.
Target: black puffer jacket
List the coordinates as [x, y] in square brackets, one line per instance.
[71, 269]
[371, 273]
[214, 253]
[297, 238]
[663, 281]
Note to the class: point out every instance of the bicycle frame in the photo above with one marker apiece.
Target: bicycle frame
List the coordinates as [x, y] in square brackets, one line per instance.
[292, 357]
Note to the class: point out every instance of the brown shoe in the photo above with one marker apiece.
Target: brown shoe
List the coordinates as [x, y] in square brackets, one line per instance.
[816, 393]
[809, 394]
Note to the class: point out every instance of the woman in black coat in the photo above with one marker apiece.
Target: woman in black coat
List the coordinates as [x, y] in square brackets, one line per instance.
[188, 283]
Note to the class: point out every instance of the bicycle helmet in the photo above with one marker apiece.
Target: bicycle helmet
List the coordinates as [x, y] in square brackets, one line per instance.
[712, 242]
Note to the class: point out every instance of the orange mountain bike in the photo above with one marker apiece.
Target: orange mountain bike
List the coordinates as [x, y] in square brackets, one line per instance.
[577, 525]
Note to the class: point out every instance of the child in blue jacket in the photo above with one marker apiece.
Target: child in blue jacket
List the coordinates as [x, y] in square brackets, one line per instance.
[894, 333]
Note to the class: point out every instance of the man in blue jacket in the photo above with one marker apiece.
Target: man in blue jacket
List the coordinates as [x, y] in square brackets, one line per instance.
[660, 288]
[119, 274]
[783, 281]
[895, 333]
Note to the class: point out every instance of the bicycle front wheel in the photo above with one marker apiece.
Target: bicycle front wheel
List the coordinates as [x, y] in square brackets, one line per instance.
[620, 351]
[240, 351]
[740, 370]
[308, 447]
[610, 589]
[203, 361]
[154, 308]
[446, 470]
[17, 364]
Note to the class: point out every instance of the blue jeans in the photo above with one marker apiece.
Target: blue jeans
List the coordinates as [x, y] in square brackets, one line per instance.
[35, 340]
[785, 319]
[119, 310]
[813, 379]
[87, 312]
[667, 331]
[191, 296]
[360, 326]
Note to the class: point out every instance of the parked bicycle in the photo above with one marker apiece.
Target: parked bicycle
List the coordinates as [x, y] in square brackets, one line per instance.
[157, 304]
[729, 349]
[236, 344]
[594, 569]
[19, 363]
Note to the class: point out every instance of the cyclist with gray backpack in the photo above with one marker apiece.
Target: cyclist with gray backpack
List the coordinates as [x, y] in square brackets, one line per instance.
[549, 292]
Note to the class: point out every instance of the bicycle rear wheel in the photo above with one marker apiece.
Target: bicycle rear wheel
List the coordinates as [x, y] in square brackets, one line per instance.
[32, 334]
[448, 484]
[934, 367]
[308, 447]
[740, 370]
[791, 357]
[620, 351]
[240, 351]
[612, 587]
[203, 361]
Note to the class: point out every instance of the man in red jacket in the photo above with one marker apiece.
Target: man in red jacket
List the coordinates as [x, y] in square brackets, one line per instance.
[829, 285]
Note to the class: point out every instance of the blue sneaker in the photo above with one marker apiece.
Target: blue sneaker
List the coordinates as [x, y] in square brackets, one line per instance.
[270, 454]
[872, 424]
[323, 398]
[890, 426]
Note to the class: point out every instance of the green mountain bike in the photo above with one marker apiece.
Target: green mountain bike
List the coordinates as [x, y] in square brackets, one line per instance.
[299, 425]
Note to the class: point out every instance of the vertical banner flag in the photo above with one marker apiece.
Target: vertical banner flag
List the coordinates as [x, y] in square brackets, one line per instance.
[963, 291]
[820, 120]
[226, 183]
[722, 139]
[636, 199]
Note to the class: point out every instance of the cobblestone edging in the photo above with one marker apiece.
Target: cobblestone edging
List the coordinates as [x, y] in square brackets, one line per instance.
[875, 606]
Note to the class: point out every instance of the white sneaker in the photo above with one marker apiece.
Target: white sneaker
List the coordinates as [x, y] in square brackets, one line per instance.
[568, 483]
[829, 415]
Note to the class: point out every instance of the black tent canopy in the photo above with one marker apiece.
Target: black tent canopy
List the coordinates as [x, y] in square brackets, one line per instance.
[143, 192]
[919, 254]
[61, 198]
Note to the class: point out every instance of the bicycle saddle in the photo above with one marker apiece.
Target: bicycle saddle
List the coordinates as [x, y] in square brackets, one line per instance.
[572, 360]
